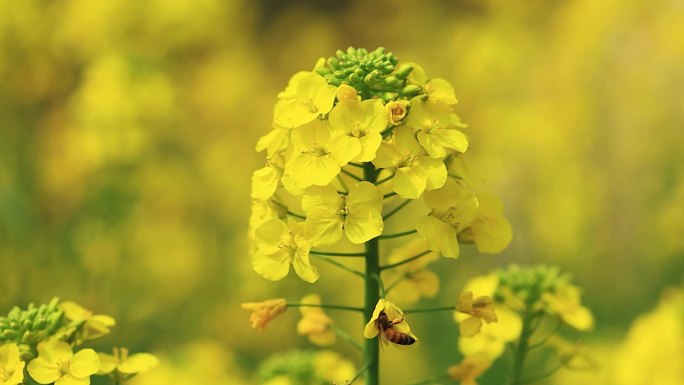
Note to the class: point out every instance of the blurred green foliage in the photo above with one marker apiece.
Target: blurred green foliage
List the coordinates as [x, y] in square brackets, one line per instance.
[126, 148]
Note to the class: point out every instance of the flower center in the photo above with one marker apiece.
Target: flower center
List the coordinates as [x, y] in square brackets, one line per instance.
[5, 374]
[408, 160]
[317, 150]
[309, 104]
[63, 366]
[342, 210]
[451, 216]
[356, 130]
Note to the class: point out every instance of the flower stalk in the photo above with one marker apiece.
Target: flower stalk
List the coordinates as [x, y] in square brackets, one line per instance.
[372, 292]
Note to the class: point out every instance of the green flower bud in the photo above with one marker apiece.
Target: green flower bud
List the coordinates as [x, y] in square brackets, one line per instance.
[411, 90]
[404, 71]
[10, 334]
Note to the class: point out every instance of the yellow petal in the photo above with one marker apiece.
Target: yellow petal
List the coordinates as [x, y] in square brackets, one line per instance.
[440, 236]
[470, 326]
[320, 197]
[323, 227]
[303, 267]
[441, 90]
[85, 363]
[409, 182]
[138, 363]
[107, 363]
[69, 379]
[264, 182]
[362, 226]
[273, 267]
[43, 371]
[370, 331]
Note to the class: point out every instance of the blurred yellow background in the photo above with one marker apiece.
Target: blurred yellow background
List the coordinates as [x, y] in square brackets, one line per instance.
[127, 131]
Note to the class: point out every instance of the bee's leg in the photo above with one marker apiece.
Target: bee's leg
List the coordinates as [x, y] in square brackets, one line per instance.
[398, 321]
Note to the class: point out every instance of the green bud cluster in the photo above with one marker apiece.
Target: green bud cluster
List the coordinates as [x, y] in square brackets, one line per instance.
[32, 325]
[297, 365]
[529, 283]
[373, 74]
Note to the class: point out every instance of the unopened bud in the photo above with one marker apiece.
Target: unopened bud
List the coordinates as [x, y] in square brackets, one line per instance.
[346, 92]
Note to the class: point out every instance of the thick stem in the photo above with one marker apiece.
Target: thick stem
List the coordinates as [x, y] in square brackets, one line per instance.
[523, 346]
[372, 293]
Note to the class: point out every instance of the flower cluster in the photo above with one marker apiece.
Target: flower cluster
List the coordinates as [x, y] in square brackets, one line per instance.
[358, 110]
[527, 302]
[40, 343]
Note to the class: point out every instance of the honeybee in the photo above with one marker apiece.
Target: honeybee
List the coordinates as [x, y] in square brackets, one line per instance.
[389, 333]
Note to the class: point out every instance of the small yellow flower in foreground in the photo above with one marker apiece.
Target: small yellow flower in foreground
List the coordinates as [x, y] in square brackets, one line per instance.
[125, 364]
[359, 214]
[414, 171]
[274, 141]
[566, 303]
[346, 92]
[435, 128]
[57, 363]
[315, 324]
[490, 230]
[11, 365]
[480, 309]
[95, 325]
[389, 322]
[359, 122]
[396, 111]
[280, 245]
[453, 209]
[470, 369]
[265, 311]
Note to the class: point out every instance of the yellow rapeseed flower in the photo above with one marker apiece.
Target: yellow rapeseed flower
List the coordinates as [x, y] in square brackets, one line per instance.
[329, 213]
[315, 324]
[56, 363]
[414, 171]
[265, 180]
[263, 312]
[313, 97]
[280, 245]
[566, 303]
[413, 279]
[11, 365]
[396, 111]
[468, 370]
[96, 326]
[490, 230]
[493, 337]
[453, 209]
[440, 90]
[435, 128]
[480, 309]
[359, 122]
[317, 155]
[125, 364]
[388, 316]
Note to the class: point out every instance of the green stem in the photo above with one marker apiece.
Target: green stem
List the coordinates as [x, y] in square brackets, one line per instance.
[389, 195]
[351, 175]
[345, 336]
[407, 260]
[358, 374]
[397, 235]
[336, 254]
[372, 293]
[396, 209]
[522, 347]
[431, 309]
[340, 265]
[325, 306]
[383, 180]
